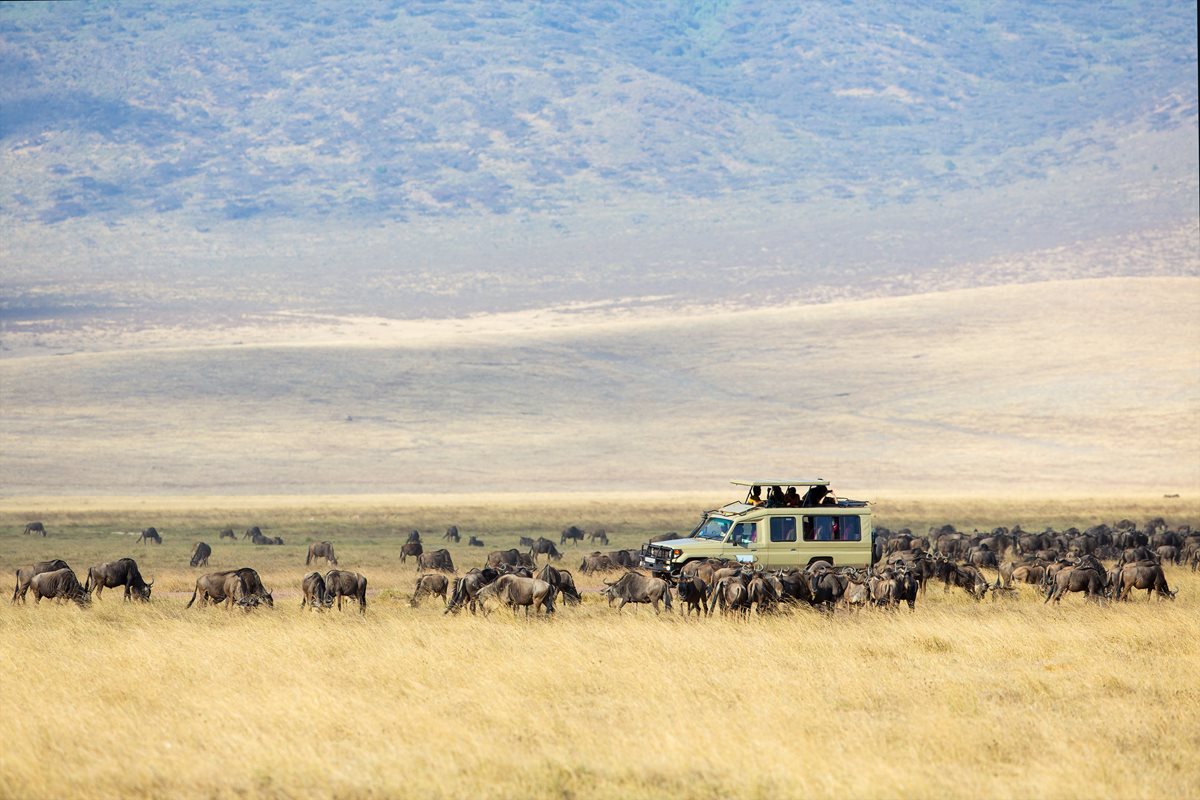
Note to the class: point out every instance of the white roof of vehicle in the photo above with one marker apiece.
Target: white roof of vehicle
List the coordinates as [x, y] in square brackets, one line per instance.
[773, 482]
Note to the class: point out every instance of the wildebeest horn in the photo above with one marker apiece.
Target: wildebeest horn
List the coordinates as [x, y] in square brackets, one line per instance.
[151, 583]
[606, 583]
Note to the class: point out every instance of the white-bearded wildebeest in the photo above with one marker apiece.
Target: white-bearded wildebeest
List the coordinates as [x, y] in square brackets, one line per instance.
[598, 535]
[26, 574]
[215, 588]
[525, 541]
[253, 532]
[35, 527]
[122, 572]
[321, 550]
[693, 592]
[227, 534]
[573, 533]
[544, 547]
[435, 585]
[438, 559]
[410, 548]
[511, 557]
[452, 534]
[634, 587]
[150, 535]
[60, 584]
[597, 562]
[467, 588]
[200, 553]
[562, 581]
[1077, 579]
[729, 594]
[474, 542]
[1142, 575]
[315, 594]
[516, 592]
[341, 583]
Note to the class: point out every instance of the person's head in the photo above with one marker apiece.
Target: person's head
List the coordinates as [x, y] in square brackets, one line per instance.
[755, 491]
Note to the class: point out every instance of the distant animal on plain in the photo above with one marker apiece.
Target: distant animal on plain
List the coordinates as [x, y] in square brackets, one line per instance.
[200, 553]
[35, 527]
[321, 550]
[150, 535]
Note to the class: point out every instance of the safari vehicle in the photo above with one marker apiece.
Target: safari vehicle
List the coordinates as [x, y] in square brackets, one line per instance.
[787, 530]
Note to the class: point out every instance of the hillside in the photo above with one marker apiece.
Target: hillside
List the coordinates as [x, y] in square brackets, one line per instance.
[1077, 386]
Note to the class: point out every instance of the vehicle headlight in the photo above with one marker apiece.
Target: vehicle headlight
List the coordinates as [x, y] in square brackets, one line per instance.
[676, 553]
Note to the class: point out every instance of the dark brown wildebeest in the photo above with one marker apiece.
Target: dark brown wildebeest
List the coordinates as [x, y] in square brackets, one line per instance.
[598, 535]
[562, 581]
[730, 596]
[467, 588]
[321, 550]
[59, 585]
[826, 588]
[525, 541]
[266, 540]
[1143, 575]
[122, 572]
[511, 557]
[26, 574]
[212, 588]
[517, 592]
[633, 587]
[474, 542]
[795, 586]
[227, 534]
[597, 562]
[150, 535]
[434, 585]
[571, 532]
[200, 554]
[452, 534]
[413, 549]
[664, 537]
[438, 559]
[1077, 579]
[761, 594]
[693, 594]
[315, 594]
[253, 532]
[544, 547]
[1167, 554]
[629, 559]
[35, 527]
[341, 583]
[1029, 573]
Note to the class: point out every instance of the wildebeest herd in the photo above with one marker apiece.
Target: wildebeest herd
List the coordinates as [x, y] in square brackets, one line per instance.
[979, 563]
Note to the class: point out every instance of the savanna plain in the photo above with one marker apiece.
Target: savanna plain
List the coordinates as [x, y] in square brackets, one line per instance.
[958, 698]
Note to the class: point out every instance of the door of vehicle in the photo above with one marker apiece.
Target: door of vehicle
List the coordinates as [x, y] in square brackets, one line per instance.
[742, 543]
[780, 545]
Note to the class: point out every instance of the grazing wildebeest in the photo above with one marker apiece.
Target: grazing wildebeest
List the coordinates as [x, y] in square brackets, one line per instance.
[342, 583]
[1143, 575]
[315, 594]
[474, 542]
[212, 588]
[227, 534]
[438, 559]
[467, 588]
[544, 547]
[150, 535]
[452, 534]
[511, 557]
[693, 593]
[200, 554]
[525, 541]
[633, 587]
[597, 562]
[35, 527]
[573, 533]
[435, 585]
[562, 581]
[26, 574]
[1077, 579]
[413, 549]
[321, 550]
[60, 584]
[516, 592]
[598, 535]
[122, 572]
[253, 532]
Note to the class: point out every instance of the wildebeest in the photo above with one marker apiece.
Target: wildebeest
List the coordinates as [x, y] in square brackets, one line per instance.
[525, 541]
[598, 535]
[1077, 579]
[315, 594]
[633, 587]
[693, 593]
[1142, 575]
[664, 537]
[562, 581]
[342, 583]
[122, 572]
[26, 574]
[573, 533]
[435, 585]
[35, 527]
[597, 562]
[511, 557]
[321, 550]
[438, 559]
[266, 540]
[253, 532]
[467, 588]
[452, 534]
[474, 542]
[215, 587]
[545, 547]
[150, 535]
[414, 536]
[227, 534]
[629, 559]
[60, 584]
[410, 548]
[730, 596]
[517, 592]
[200, 554]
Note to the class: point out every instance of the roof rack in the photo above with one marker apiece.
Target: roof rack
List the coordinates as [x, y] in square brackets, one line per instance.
[773, 482]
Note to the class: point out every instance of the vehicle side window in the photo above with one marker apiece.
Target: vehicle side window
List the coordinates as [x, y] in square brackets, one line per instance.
[832, 529]
[745, 533]
[783, 529]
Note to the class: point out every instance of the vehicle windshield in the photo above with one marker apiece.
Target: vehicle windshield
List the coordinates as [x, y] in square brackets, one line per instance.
[713, 528]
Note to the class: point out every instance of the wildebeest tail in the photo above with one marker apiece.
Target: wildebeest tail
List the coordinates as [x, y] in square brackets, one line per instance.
[667, 597]
[194, 593]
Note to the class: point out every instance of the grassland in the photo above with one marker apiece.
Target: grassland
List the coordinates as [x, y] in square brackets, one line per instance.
[956, 700]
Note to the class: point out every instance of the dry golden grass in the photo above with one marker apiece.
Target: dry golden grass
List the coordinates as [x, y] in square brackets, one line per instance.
[956, 700]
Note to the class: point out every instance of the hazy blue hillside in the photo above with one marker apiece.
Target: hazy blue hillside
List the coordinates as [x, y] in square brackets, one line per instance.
[195, 119]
